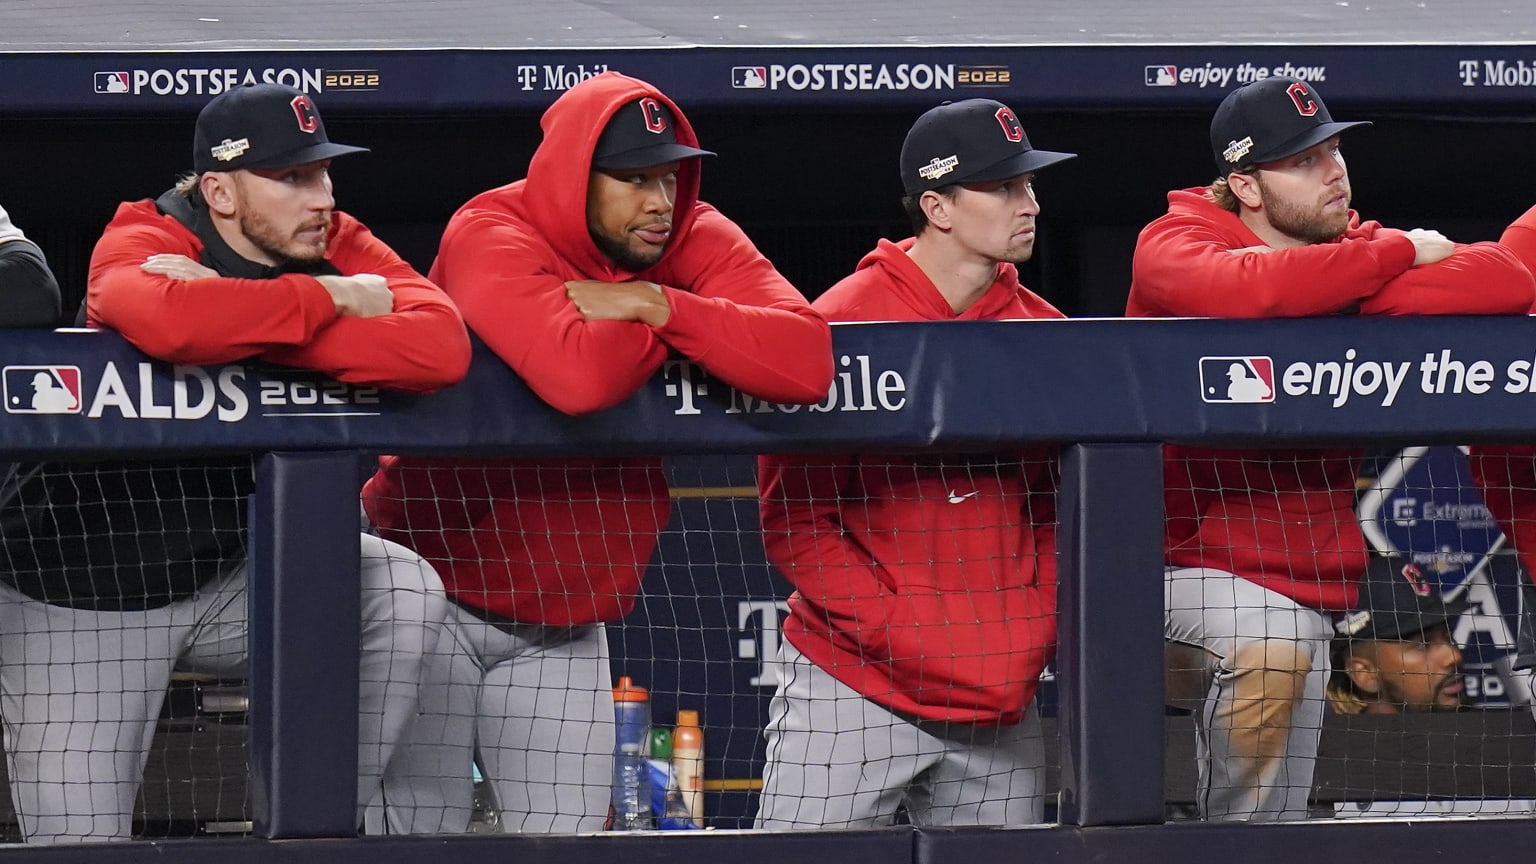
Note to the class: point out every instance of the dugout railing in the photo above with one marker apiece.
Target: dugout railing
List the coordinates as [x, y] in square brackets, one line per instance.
[1108, 390]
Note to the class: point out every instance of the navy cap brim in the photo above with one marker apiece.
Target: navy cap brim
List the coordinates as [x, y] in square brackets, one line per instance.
[304, 156]
[1027, 162]
[1400, 624]
[1409, 624]
[645, 157]
[1311, 138]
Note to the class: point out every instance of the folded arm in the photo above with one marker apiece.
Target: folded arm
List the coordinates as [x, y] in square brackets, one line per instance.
[506, 282]
[196, 321]
[736, 315]
[420, 346]
[1476, 279]
[1185, 267]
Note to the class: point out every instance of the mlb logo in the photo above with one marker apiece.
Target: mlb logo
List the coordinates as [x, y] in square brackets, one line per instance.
[42, 389]
[1162, 76]
[111, 82]
[1246, 380]
[749, 77]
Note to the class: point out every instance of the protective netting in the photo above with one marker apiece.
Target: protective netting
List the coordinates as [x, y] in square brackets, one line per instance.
[124, 644]
[900, 687]
[912, 680]
[1316, 669]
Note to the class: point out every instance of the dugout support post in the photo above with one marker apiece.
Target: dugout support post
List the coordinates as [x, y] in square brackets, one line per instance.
[305, 605]
[1110, 660]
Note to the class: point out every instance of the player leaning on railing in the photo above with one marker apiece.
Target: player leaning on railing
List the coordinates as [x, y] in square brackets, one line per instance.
[585, 277]
[112, 574]
[1263, 544]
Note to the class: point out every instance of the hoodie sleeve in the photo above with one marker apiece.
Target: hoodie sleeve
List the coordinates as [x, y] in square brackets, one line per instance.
[1185, 265]
[196, 321]
[1520, 239]
[737, 316]
[1476, 279]
[803, 536]
[508, 284]
[421, 346]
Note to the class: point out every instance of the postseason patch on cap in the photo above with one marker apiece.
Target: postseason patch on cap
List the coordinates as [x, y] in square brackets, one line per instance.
[1352, 623]
[1236, 150]
[228, 150]
[938, 167]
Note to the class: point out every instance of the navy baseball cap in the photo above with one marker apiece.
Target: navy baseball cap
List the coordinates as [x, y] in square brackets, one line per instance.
[641, 134]
[1396, 602]
[1269, 120]
[261, 126]
[970, 141]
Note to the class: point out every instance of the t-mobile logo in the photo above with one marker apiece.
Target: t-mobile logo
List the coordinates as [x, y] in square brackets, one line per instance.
[691, 381]
[759, 621]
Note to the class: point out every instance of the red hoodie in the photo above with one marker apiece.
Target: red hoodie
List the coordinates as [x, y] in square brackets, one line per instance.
[926, 582]
[289, 319]
[1507, 474]
[566, 542]
[1285, 518]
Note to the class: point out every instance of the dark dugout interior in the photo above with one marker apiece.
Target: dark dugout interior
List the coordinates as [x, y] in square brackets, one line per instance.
[814, 189]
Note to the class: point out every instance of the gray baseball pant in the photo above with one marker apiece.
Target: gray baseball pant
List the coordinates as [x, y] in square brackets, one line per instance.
[1253, 666]
[81, 690]
[839, 760]
[539, 703]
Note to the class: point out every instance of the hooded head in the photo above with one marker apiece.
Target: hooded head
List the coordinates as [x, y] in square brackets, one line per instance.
[596, 115]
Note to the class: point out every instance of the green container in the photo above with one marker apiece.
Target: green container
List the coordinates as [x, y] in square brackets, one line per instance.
[661, 743]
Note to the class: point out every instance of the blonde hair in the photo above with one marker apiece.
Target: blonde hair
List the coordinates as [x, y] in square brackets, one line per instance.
[1221, 193]
[1343, 698]
[188, 183]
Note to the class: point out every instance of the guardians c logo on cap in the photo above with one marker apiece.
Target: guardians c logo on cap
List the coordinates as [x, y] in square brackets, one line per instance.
[261, 126]
[958, 142]
[640, 134]
[1267, 121]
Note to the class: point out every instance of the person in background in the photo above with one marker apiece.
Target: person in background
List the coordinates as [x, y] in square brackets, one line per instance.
[1394, 652]
[29, 294]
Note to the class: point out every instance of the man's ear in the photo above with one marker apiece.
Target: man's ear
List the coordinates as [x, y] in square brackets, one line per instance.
[936, 208]
[1245, 188]
[1364, 674]
[218, 188]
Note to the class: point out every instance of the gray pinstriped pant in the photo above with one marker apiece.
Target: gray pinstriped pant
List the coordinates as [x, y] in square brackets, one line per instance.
[838, 760]
[81, 690]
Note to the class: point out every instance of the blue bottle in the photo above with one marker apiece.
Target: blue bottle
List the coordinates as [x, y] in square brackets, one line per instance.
[631, 798]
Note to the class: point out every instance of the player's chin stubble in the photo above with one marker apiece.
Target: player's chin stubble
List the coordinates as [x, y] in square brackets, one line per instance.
[260, 233]
[620, 252]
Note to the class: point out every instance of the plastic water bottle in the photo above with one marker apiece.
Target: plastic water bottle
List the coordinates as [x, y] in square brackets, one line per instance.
[631, 774]
[666, 800]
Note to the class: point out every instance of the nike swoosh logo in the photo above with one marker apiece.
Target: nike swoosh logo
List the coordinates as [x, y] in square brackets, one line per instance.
[955, 497]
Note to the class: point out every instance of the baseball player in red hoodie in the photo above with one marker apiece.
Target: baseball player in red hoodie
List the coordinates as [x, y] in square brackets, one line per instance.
[1263, 545]
[114, 574]
[925, 584]
[584, 277]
